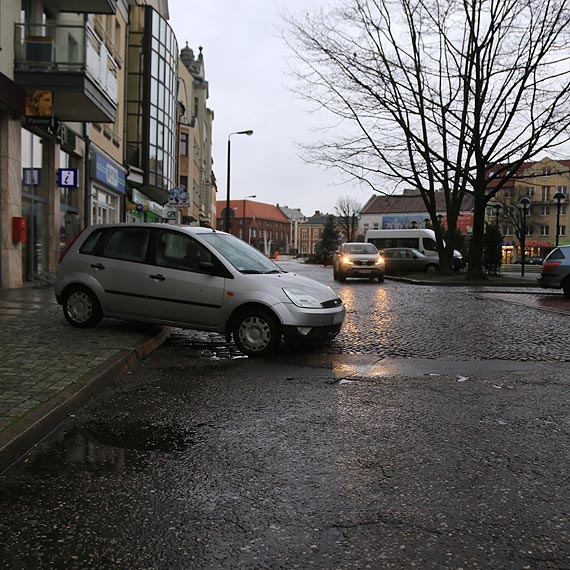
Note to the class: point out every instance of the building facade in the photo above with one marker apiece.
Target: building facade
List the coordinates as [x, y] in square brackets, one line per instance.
[264, 226]
[310, 233]
[90, 126]
[546, 184]
[407, 210]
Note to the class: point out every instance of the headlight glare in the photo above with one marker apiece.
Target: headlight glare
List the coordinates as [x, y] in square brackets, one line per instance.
[347, 260]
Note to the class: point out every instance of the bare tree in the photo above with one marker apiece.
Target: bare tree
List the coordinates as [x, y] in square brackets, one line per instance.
[348, 214]
[440, 95]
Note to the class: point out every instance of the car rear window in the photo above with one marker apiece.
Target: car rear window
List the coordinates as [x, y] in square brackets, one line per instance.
[129, 244]
[556, 254]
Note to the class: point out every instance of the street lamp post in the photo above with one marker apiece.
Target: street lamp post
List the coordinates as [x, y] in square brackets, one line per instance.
[559, 197]
[243, 217]
[524, 205]
[227, 209]
[498, 208]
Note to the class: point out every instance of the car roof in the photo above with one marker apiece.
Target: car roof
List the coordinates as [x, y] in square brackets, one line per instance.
[187, 229]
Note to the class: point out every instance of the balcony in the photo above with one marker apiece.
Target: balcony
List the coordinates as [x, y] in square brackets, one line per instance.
[73, 63]
[86, 6]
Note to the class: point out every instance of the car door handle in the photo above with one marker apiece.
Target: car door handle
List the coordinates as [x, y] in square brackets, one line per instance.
[98, 266]
[158, 277]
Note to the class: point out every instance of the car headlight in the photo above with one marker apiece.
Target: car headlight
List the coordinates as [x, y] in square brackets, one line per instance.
[347, 260]
[379, 261]
[301, 298]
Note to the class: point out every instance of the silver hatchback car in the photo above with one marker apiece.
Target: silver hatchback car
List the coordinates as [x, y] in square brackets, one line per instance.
[555, 273]
[196, 278]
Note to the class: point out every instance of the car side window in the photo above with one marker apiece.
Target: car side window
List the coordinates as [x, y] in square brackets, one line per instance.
[179, 251]
[128, 244]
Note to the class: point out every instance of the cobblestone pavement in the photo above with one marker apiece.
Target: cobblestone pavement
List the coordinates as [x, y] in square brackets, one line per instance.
[395, 319]
[44, 361]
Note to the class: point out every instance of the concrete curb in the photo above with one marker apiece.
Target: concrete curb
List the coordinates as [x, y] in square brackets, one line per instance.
[19, 438]
[528, 284]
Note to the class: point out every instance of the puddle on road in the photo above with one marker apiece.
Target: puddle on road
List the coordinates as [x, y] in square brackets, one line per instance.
[370, 367]
[113, 449]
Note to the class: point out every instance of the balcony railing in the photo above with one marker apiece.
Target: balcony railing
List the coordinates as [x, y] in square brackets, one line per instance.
[65, 49]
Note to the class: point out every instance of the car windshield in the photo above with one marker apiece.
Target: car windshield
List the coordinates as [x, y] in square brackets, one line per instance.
[361, 248]
[244, 257]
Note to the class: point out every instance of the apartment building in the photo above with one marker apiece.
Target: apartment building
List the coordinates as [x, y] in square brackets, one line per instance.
[310, 233]
[91, 125]
[546, 184]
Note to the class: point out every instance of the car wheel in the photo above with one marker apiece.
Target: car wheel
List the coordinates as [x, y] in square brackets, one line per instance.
[81, 307]
[256, 332]
[431, 269]
[566, 287]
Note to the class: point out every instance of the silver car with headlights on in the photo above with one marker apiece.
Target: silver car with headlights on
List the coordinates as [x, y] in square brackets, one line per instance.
[192, 277]
[357, 259]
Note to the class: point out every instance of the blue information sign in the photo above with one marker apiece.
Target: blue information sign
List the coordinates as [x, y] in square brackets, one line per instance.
[67, 177]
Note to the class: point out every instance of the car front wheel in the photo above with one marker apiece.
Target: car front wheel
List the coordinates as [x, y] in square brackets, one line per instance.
[431, 269]
[81, 308]
[256, 332]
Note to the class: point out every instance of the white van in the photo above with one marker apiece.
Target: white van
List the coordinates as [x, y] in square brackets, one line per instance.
[421, 239]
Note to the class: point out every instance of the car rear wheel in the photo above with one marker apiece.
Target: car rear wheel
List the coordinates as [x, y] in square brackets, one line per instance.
[81, 307]
[256, 332]
[431, 268]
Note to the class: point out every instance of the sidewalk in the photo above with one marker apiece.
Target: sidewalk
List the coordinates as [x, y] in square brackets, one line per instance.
[48, 368]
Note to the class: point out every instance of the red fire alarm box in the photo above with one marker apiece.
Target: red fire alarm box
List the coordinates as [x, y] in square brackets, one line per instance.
[19, 230]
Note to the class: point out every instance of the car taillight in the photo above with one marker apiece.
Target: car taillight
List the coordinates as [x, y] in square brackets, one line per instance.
[550, 266]
[64, 252]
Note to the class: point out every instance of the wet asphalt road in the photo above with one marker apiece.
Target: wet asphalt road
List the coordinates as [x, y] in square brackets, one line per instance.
[432, 433]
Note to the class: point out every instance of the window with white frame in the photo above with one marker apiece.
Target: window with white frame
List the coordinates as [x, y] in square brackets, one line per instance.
[545, 193]
[528, 230]
[545, 210]
[376, 226]
[304, 234]
[507, 230]
[563, 190]
[530, 191]
[544, 230]
[562, 231]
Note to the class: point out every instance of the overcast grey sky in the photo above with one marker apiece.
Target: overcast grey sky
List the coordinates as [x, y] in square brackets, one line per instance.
[246, 67]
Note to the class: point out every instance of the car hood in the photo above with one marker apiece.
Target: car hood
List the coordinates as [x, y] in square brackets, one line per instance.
[319, 291]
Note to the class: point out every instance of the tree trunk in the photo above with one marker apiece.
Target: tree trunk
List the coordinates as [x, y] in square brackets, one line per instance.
[475, 269]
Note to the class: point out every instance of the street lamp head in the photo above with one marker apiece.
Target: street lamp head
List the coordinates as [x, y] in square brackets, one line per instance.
[524, 204]
[248, 133]
[559, 196]
[498, 207]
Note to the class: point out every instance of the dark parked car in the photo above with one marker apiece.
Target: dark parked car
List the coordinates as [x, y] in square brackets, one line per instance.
[555, 272]
[357, 259]
[534, 260]
[408, 260]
